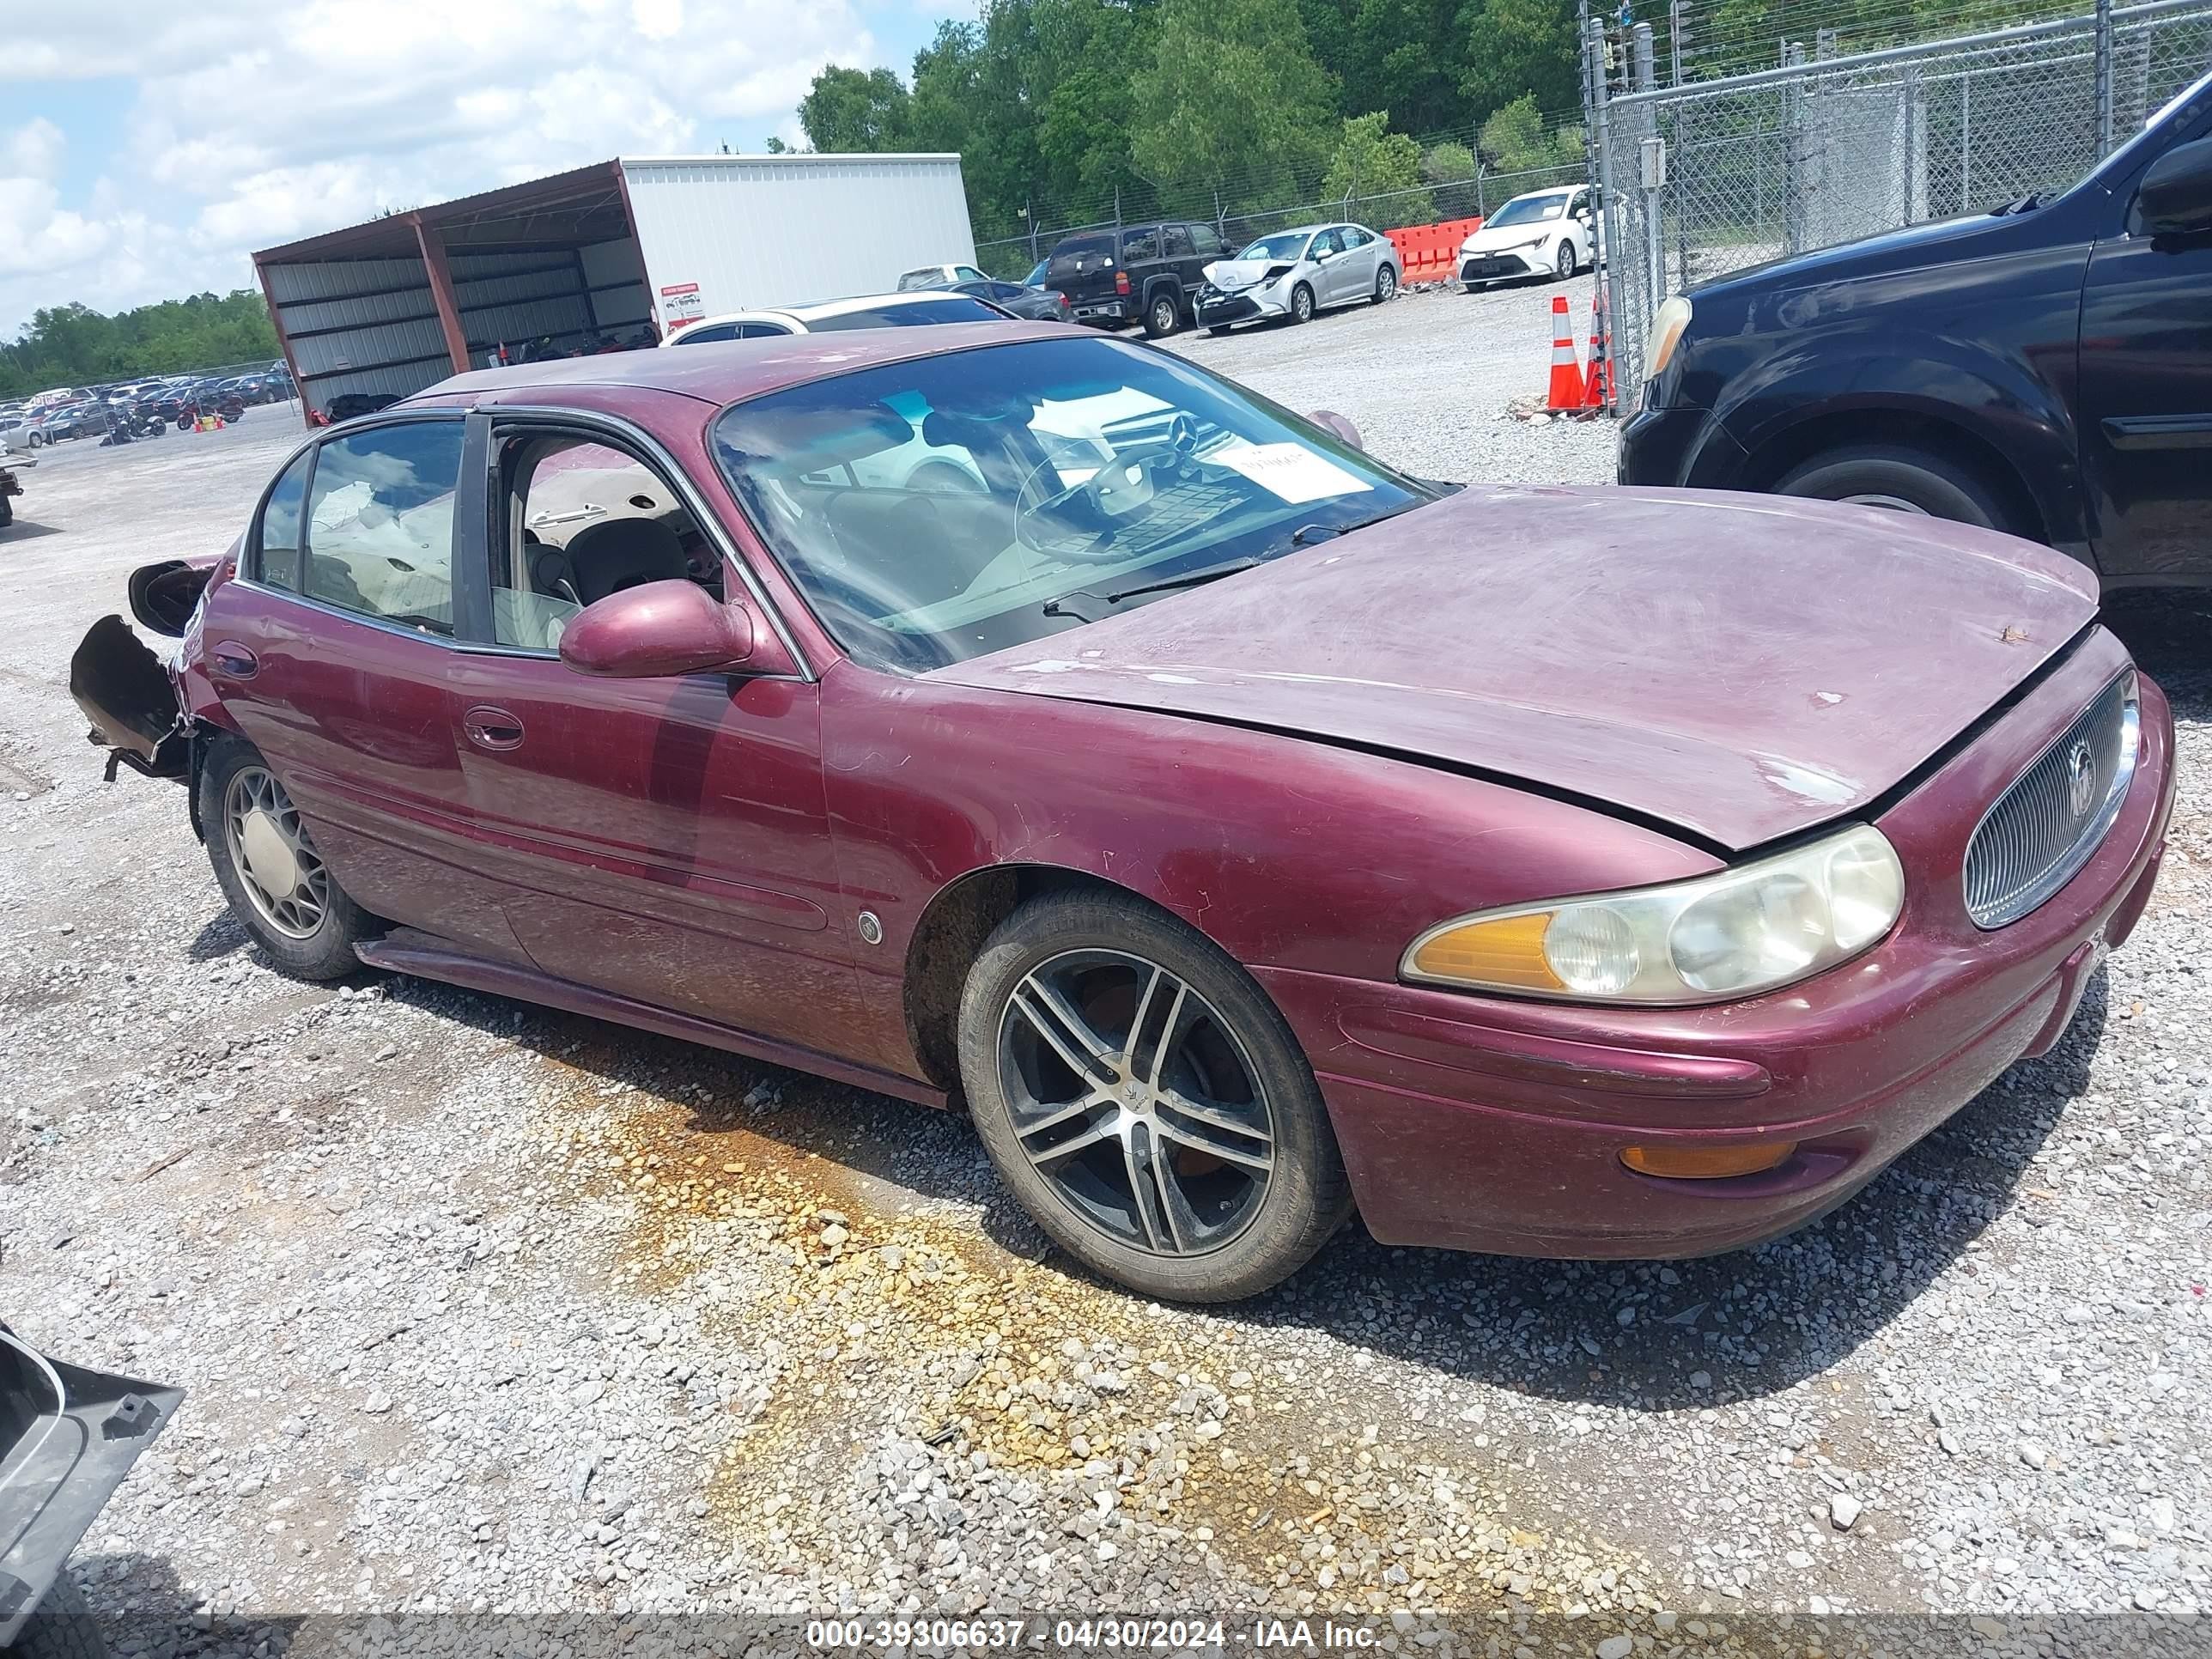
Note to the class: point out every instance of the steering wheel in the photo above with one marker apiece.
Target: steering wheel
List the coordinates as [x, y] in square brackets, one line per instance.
[1120, 491]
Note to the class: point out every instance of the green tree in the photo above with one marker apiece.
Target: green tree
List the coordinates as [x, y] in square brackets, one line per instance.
[75, 345]
[1376, 174]
[1517, 48]
[1232, 90]
[1448, 164]
[1514, 140]
[850, 109]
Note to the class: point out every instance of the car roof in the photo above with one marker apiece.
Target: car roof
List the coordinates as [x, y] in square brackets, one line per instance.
[1548, 190]
[811, 310]
[727, 370]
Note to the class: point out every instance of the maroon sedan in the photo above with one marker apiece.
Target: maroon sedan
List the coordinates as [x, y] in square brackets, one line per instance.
[1243, 829]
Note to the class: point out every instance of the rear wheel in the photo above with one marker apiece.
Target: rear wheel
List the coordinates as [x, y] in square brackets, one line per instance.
[1302, 304]
[1386, 285]
[266, 864]
[1162, 316]
[1900, 479]
[60, 1629]
[7, 512]
[1145, 1102]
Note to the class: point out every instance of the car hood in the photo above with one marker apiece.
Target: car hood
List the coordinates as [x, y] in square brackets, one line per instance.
[1229, 275]
[1487, 240]
[1742, 667]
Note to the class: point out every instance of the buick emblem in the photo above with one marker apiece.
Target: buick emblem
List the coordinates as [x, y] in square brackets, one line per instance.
[2081, 780]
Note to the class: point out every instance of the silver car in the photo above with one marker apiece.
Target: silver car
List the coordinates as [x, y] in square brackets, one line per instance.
[1295, 273]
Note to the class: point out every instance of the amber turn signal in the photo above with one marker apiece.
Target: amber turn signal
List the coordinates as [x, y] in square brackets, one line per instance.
[1743, 1157]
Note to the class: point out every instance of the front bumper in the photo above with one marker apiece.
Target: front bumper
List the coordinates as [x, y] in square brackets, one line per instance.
[1217, 310]
[67, 1437]
[1494, 267]
[1487, 1123]
[1668, 447]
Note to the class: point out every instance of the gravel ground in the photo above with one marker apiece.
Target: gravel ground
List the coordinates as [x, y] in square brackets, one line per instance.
[487, 1308]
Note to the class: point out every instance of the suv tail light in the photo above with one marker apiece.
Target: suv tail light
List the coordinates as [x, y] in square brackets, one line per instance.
[1120, 282]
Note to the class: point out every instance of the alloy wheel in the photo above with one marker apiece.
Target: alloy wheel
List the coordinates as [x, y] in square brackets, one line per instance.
[1163, 316]
[1134, 1098]
[1386, 285]
[1301, 305]
[279, 867]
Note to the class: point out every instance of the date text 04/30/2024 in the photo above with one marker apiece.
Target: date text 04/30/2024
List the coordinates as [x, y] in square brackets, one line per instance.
[1165, 1635]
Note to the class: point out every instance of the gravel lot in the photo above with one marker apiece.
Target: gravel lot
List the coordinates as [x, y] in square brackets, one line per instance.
[487, 1308]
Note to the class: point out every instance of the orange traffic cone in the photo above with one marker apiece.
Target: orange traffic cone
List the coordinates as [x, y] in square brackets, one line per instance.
[1566, 369]
[1598, 393]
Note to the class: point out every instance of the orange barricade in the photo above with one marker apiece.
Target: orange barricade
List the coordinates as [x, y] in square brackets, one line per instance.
[1430, 253]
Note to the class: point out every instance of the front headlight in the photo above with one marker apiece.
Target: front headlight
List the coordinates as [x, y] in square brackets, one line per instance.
[1668, 325]
[1735, 934]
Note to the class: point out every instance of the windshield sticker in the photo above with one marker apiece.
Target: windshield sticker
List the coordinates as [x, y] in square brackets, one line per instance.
[1290, 472]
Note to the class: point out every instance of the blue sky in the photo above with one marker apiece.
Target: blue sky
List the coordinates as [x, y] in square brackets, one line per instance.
[147, 148]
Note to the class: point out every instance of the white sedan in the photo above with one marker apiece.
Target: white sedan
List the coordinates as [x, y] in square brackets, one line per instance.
[1547, 233]
[1295, 273]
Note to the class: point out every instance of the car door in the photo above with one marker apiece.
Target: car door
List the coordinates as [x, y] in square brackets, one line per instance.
[1363, 257]
[2146, 392]
[664, 839]
[1327, 251]
[1181, 252]
[333, 650]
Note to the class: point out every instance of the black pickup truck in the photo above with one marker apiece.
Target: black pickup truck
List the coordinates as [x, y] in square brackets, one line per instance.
[1139, 273]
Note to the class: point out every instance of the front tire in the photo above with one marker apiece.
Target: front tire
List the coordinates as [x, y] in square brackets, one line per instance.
[1901, 479]
[1218, 330]
[1302, 304]
[265, 862]
[1386, 285]
[1566, 264]
[1145, 1102]
[1162, 317]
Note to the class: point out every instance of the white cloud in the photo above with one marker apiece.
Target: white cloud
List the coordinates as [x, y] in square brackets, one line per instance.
[259, 121]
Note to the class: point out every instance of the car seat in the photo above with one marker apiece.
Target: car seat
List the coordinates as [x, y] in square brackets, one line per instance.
[607, 558]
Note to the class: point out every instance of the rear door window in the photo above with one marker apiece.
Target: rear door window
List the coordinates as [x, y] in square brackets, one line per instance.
[1140, 244]
[380, 531]
[276, 537]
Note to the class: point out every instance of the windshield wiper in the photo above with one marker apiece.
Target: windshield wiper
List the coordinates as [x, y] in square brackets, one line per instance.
[1298, 535]
[1063, 605]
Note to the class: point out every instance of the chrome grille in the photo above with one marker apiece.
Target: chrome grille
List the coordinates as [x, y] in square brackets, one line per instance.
[2044, 828]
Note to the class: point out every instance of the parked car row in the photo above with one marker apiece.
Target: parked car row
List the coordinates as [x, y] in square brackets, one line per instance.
[81, 412]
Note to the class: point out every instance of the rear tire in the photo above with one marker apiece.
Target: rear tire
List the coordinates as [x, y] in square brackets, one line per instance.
[1180, 1048]
[1386, 285]
[7, 512]
[273, 879]
[1898, 478]
[60, 1629]
[1162, 317]
[1476, 287]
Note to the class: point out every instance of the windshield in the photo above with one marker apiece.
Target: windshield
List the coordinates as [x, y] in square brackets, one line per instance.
[931, 511]
[953, 308]
[1527, 210]
[1036, 278]
[1283, 245]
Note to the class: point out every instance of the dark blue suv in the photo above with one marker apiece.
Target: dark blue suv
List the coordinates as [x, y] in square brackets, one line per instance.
[2044, 369]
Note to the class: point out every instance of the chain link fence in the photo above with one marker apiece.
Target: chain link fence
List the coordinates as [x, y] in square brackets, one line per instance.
[1827, 150]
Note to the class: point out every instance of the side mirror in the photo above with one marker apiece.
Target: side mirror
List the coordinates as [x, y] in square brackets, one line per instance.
[1338, 426]
[2175, 198]
[658, 629]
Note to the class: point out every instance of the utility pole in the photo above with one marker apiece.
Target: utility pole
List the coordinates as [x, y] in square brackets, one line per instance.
[1678, 13]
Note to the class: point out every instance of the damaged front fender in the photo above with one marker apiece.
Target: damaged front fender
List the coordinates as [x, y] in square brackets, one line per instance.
[67, 1437]
[134, 701]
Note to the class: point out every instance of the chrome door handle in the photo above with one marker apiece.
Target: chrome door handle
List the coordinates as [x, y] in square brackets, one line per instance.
[492, 728]
[234, 660]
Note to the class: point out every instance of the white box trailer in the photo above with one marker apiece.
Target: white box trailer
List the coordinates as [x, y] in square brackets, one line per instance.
[387, 309]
